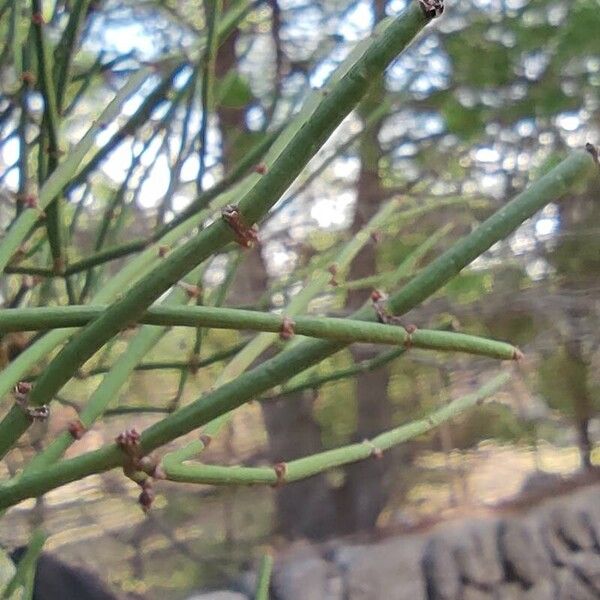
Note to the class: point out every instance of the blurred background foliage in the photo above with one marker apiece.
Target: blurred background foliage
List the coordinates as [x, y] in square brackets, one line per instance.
[486, 100]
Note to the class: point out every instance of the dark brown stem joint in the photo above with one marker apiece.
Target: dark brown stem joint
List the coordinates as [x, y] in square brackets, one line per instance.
[287, 329]
[76, 429]
[205, 439]
[333, 270]
[147, 495]
[280, 471]
[34, 413]
[432, 8]
[376, 453]
[410, 329]
[246, 236]
[129, 442]
[260, 168]
[594, 152]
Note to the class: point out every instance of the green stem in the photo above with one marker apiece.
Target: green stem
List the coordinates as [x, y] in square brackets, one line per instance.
[323, 113]
[50, 133]
[65, 50]
[65, 171]
[290, 362]
[109, 388]
[212, 12]
[329, 328]
[264, 577]
[308, 466]
[25, 573]
[176, 364]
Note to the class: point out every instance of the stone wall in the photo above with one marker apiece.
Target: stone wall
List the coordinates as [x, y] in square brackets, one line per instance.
[549, 552]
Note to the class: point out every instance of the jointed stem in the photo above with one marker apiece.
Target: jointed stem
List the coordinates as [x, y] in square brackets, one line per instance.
[338, 329]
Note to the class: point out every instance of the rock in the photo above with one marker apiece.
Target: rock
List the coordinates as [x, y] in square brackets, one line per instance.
[301, 574]
[555, 545]
[570, 587]
[510, 591]
[523, 552]
[219, 595]
[544, 590]
[587, 504]
[390, 570]
[477, 554]
[473, 593]
[441, 570]
[571, 527]
[587, 566]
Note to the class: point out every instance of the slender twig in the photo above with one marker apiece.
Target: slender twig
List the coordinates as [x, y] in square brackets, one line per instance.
[275, 371]
[65, 50]
[323, 113]
[345, 330]
[264, 577]
[212, 12]
[64, 172]
[25, 573]
[49, 134]
[308, 466]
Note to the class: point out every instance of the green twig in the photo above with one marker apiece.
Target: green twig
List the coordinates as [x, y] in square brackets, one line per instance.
[264, 577]
[576, 167]
[338, 329]
[318, 120]
[302, 468]
[65, 171]
[26, 568]
[212, 13]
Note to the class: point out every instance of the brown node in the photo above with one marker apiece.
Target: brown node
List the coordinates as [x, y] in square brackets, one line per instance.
[28, 78]
[594, 152]
[23, 388]
[376, 452]
[410, 329]
[376, 236]
[30, 201]
[246, 236]
[287, 329]
[376, 296]
[260, 168]
[163, 251]
[35, 413]
[432, 8]
[147, 495]
[280, 471]
[37, 18]
[333, 270]
[192, 291]
[377, 299]
[205, 439]
[517, 354]
[76, 429]
[129, 442]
